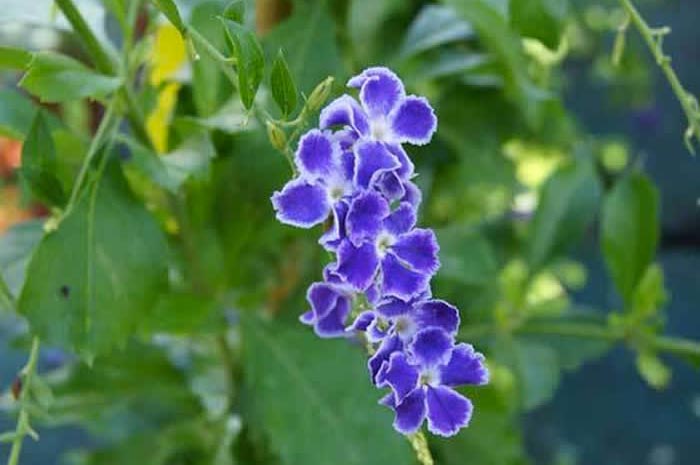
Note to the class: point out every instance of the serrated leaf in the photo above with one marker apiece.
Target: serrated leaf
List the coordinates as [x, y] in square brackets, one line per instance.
[39, 163]
[434, 25]
[14, 58]
[250, 60]
[235, 11]
[284, 91]
[98, 274]
[568, 203]
[57, 78]
[630, 231]
[315, 54]
[169, 9]
[326, 396]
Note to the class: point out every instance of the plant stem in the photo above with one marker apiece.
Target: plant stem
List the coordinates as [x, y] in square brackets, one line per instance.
[223, 62]
[106, 126]
[653, 38]
[100, 57]
[420, 447]
[23, 427]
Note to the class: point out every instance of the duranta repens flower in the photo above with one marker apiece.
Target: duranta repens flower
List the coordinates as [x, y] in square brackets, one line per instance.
[354, 172]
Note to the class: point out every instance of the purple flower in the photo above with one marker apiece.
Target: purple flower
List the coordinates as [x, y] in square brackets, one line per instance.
[330, 306]
[422, 379]
[385, 242]
[386, 113]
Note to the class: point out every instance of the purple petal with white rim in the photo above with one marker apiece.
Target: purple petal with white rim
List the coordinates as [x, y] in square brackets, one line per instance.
[394, 307]
[386, 348]
[437, 314]
[399, 281]
[322, 297]
[414, 121]
[448, 411]
[411, 412]
[401, 220]
[391, 186]
[307, 318]
[344, 111]
[465, 367]
[332, 237]
[301, 204]
[357, 265]
[362, 321]
[419, 248]
[333, 323]
[431, 347]
[413, 194]
[377, 331]
[371, 160]
[406, 170]
[317, 156]
[364, 220]
[380, 90]
[399, 375]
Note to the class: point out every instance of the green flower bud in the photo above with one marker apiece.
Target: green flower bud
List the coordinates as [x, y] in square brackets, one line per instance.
[320, 94]
[277, 137]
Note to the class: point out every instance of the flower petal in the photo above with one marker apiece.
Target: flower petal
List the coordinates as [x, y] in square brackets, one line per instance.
[399, 281]
[431, 347]
[371, 160]
[380, 90]
[332, 237]
[333, 323]
[392, 308]
[419, 248]
[413, 195]
[365, 217]
[407, 167]
[390, 185]
[317, 156]
[301, 204]
[362, 321]
[344, 111]
[466, 366]
[388, 346]
[448, 411]
[437, 314]
[414, 121]
[401, 220]
[411, 412]
[357, 265]
[322, 297]
[399, 375]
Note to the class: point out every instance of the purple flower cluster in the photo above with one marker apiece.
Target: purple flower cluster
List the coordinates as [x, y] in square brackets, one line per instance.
[354, 175]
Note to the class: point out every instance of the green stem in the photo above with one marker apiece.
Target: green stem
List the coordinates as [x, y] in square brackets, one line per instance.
[104, 129]
[102, 60]
[23, 426]
[222, 62]
[652, 38]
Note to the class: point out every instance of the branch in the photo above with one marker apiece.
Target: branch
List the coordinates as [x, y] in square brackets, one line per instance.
[23, 427]
[654, 40]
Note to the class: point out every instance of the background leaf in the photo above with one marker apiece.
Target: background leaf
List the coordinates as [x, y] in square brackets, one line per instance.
[250, 60]
[39, 163]
[434, 25]
[284, 91]
[93, 279]
[630, 231]
[314, 400]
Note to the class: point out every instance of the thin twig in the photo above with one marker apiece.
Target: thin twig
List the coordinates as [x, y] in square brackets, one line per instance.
[23, 427]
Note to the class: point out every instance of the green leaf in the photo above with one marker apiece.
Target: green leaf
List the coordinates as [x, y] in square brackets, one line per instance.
[310, 388]
[367, 23]
[169, 9]
[14, 58]
[493, 30]
[537, 368]
[235, 11]
[39, 163]
[98, 274]
[315, 54]
[182, 313]
[57, 78]
[653, 370]
[540, 19]
[630, 231]
[435, 25]
[16, 114]
[284, 91]
[650, 295]
[568, 203]
[250, 60]
[16, 246]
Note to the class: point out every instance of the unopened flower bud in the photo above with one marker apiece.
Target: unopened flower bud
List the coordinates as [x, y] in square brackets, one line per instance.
[277, 137]
[320, 94]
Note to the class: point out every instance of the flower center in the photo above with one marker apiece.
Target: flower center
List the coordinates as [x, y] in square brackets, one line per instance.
[384, 241]
[429, 377]
[380, 130]
[337, 192]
